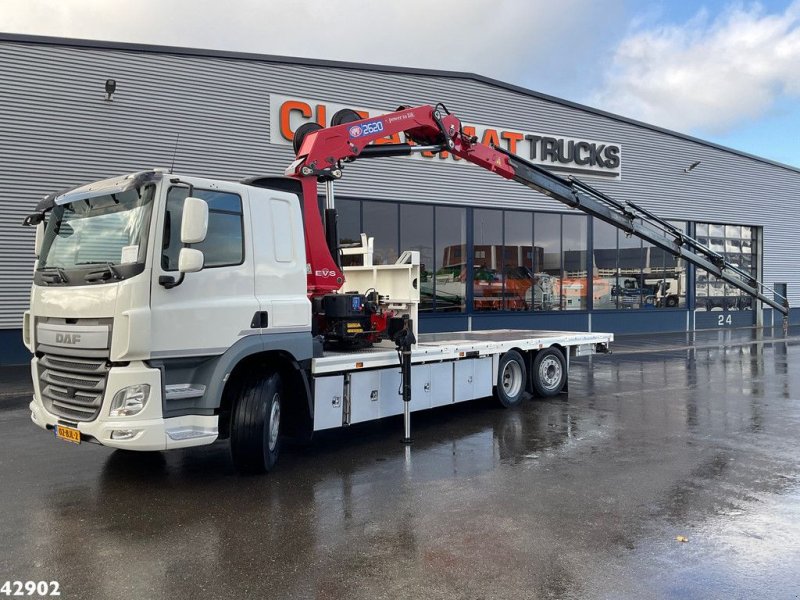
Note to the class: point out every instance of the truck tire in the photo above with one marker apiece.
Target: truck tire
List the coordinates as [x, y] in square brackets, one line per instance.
[549, 373]
[511, 376]
[255, 425]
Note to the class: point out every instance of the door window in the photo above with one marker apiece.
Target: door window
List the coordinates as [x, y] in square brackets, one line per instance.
[224, 243]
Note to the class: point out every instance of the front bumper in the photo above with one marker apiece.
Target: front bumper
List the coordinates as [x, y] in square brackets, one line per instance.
[152, 431]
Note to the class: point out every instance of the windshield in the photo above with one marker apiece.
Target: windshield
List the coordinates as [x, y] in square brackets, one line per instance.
[102, 230]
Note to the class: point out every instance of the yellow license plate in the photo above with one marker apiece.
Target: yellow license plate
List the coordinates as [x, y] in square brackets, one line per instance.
[70, 434]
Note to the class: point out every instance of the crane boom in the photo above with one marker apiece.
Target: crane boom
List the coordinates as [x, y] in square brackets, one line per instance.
[322, 153]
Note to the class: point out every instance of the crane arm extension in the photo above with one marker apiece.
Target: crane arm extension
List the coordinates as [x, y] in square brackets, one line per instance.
[323, 153]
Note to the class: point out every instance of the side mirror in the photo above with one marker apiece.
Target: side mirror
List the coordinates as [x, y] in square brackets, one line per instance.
[194, 224]
[39, 240]
[190, 260]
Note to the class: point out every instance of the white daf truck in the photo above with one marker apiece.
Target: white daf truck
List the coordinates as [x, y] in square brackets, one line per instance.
[144, 343]
[171, 311]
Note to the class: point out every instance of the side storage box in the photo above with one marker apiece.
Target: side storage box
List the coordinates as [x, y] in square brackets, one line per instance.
[472, 378]
[441, 380]
[365, 400]
[391, 397]
[328, 402]
[421, 387]
[391, 393]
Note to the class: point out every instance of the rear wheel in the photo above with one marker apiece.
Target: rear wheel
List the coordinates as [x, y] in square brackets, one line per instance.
[510, 388]
[256, 425]
[549, 373]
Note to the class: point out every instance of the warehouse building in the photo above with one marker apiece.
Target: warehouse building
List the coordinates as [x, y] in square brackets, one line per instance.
[494, 254]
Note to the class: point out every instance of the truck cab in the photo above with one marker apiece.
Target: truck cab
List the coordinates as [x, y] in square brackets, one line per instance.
[149, 290]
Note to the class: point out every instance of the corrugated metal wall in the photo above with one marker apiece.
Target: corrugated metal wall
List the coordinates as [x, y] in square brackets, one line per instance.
[57, 130]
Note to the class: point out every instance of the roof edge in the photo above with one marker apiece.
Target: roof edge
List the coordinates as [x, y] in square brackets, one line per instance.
[315, 62]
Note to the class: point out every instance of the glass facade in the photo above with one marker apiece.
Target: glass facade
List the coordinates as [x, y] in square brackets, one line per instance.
[629, 273]
[416, 233]
[575, 246]
[520, 261]
[349, 224]
[737, 243]
[526, 261]
[450, 259]
[380, 222]
[547, 261]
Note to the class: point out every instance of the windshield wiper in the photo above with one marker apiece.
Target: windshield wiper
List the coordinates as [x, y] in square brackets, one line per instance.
[110, 270]
[58, 273]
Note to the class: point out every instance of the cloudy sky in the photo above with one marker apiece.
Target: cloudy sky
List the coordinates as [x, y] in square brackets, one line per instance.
[722, 70]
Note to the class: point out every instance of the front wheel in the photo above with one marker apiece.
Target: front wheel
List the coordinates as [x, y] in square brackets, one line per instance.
[549, 373]
[256, 425]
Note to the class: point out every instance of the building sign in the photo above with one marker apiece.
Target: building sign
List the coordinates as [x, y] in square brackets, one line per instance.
[555, 152]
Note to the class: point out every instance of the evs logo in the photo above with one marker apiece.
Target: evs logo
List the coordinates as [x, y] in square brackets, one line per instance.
[366, 129]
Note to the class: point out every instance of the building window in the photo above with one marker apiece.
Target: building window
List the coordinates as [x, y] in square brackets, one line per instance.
[349, 227]
[574, 283]
[224, 243]
[380, 222]
[518, 260]
[487, 258]
[416, 233]
[604, 265]
[737, 244]
[629, 273]
[664, 276]
[628, 288]
[442, 246]
[524, 261]
[450, 259]
[547, 262]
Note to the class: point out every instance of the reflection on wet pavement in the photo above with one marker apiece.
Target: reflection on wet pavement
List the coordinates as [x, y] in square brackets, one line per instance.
[578, 497]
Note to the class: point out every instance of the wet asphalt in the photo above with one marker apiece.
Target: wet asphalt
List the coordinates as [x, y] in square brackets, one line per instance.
[582, 496]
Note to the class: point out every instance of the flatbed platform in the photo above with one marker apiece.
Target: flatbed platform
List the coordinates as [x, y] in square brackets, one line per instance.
[433, 347]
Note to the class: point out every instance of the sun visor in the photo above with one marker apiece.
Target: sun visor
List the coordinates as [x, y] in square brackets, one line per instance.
[115, 185]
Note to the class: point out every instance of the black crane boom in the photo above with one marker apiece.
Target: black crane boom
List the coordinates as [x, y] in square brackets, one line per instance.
[635, 220]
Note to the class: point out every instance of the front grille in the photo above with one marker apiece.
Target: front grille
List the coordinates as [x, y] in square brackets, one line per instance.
[72, 387]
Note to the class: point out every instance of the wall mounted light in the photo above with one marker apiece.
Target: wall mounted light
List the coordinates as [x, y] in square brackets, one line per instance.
[111, 87]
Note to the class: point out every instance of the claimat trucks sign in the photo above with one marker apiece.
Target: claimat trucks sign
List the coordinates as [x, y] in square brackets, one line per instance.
[555, 152]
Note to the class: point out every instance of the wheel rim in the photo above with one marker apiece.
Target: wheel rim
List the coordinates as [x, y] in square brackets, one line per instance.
[550, 372]
[512, 378]
[274, 422]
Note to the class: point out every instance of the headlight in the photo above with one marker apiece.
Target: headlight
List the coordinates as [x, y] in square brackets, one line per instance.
[129, 401]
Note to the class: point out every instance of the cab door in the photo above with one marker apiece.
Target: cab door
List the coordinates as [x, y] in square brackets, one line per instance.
[213, 308]
[280, 263]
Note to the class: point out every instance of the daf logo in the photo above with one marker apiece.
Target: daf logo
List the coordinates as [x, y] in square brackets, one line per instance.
[68, 338]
